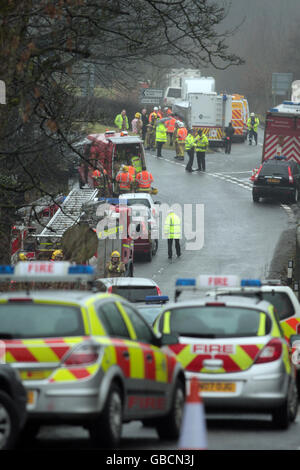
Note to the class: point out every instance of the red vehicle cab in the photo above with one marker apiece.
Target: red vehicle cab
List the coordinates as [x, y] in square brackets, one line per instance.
[109, 151]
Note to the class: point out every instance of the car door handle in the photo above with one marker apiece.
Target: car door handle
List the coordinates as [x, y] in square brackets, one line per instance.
[149, 358]
[125, 354]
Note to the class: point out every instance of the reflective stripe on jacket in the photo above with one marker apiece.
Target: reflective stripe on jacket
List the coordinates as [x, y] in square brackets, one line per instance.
[255, 126]
[181, 134]
[144, 179]
[172, 227]
[124, 180]
[201, 143]
[189, 142]
[161, 133]
[119, 121]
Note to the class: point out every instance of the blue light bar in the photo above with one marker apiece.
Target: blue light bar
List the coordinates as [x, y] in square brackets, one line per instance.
[250, 283]
[113, 200]
[81, 269]
[6, 269]
[186, 282]
[156, 299]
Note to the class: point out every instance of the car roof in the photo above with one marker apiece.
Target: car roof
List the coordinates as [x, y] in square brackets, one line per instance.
[65, 296]
[232, 301]
[128, 281]
[136, 196]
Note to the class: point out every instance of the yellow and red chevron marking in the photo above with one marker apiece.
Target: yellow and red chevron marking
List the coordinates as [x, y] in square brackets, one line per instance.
[39, 350]
[70, 374]
[290, 327]
[212, 133]
[236, 114]
[242, 359]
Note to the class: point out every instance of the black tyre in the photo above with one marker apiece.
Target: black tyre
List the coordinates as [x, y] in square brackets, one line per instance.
[154, 247]
[106, 431]
[255, 197]
[9, 422]
[149, 254]
[169, 426]
[286, 413]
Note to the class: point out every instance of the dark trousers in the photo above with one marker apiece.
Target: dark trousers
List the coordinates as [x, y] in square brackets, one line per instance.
[177, 247]
[159, 147]
[170, 134]
[190, 153]
[252, 133]
[227, 145]
[201, 160]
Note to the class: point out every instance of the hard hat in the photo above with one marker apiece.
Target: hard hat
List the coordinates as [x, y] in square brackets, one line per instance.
[252, 114]
[155, 108]
[125, 168]
[115, 254]
[138, 115]
[57, 253]
[22, 257]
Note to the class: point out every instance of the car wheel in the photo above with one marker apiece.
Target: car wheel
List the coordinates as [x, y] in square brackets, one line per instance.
[155, 247]
[9, 422]
[294, 196]
[106, 431]
[149, 254]
[255, 197]
[169, 426]
[286, 413]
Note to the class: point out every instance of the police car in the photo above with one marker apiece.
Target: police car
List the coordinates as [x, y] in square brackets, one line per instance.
[152, 307]
[237, 349]
[87, 358]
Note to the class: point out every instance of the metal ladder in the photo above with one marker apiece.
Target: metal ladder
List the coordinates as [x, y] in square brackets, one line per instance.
[69, 213]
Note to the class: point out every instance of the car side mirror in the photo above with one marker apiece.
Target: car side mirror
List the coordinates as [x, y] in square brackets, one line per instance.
[157, 202]
[167, 340]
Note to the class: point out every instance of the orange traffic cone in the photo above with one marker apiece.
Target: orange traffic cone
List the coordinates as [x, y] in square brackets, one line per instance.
[193, 428]
[254, 171]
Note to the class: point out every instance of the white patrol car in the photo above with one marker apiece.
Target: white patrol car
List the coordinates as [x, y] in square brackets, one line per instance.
[87, 358]
[236, 348]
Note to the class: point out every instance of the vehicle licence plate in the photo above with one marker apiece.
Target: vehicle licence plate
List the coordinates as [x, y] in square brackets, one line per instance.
[31, 397]
[229, 387]
[273, 180]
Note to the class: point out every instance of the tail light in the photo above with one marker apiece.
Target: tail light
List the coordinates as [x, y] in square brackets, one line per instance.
[83, 355]
[291, 178]
[109, 290]
[257, 174]
[158, 290]
[215, 304]
[271, 352]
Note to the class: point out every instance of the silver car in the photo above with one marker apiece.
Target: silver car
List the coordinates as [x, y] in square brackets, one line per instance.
[237, 349]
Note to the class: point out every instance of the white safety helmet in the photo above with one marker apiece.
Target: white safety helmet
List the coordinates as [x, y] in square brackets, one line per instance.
[155, 109]
[252, 114]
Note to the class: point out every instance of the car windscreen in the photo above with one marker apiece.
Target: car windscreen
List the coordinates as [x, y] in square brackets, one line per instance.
[32, 320]
[138, 202]
[174, 93]
[136, 293]
[272, 169]
[150, 312]
[219, 322]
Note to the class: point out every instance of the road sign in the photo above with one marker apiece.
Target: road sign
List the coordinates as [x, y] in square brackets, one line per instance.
[150, 100]
[281, 83]
[152, 93]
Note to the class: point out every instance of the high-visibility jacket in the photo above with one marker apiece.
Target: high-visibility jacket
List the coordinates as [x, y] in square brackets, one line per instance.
[161, 133]
[137, 164]
[124, 179]
[131, 171]
[181, 134]
[254, 126]
[201, 143]
[159, 114]
[98, 174]
[189, 142]
[119, 121]
[170, 124]
[172, 227]
[153, 117]
[144, 180]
